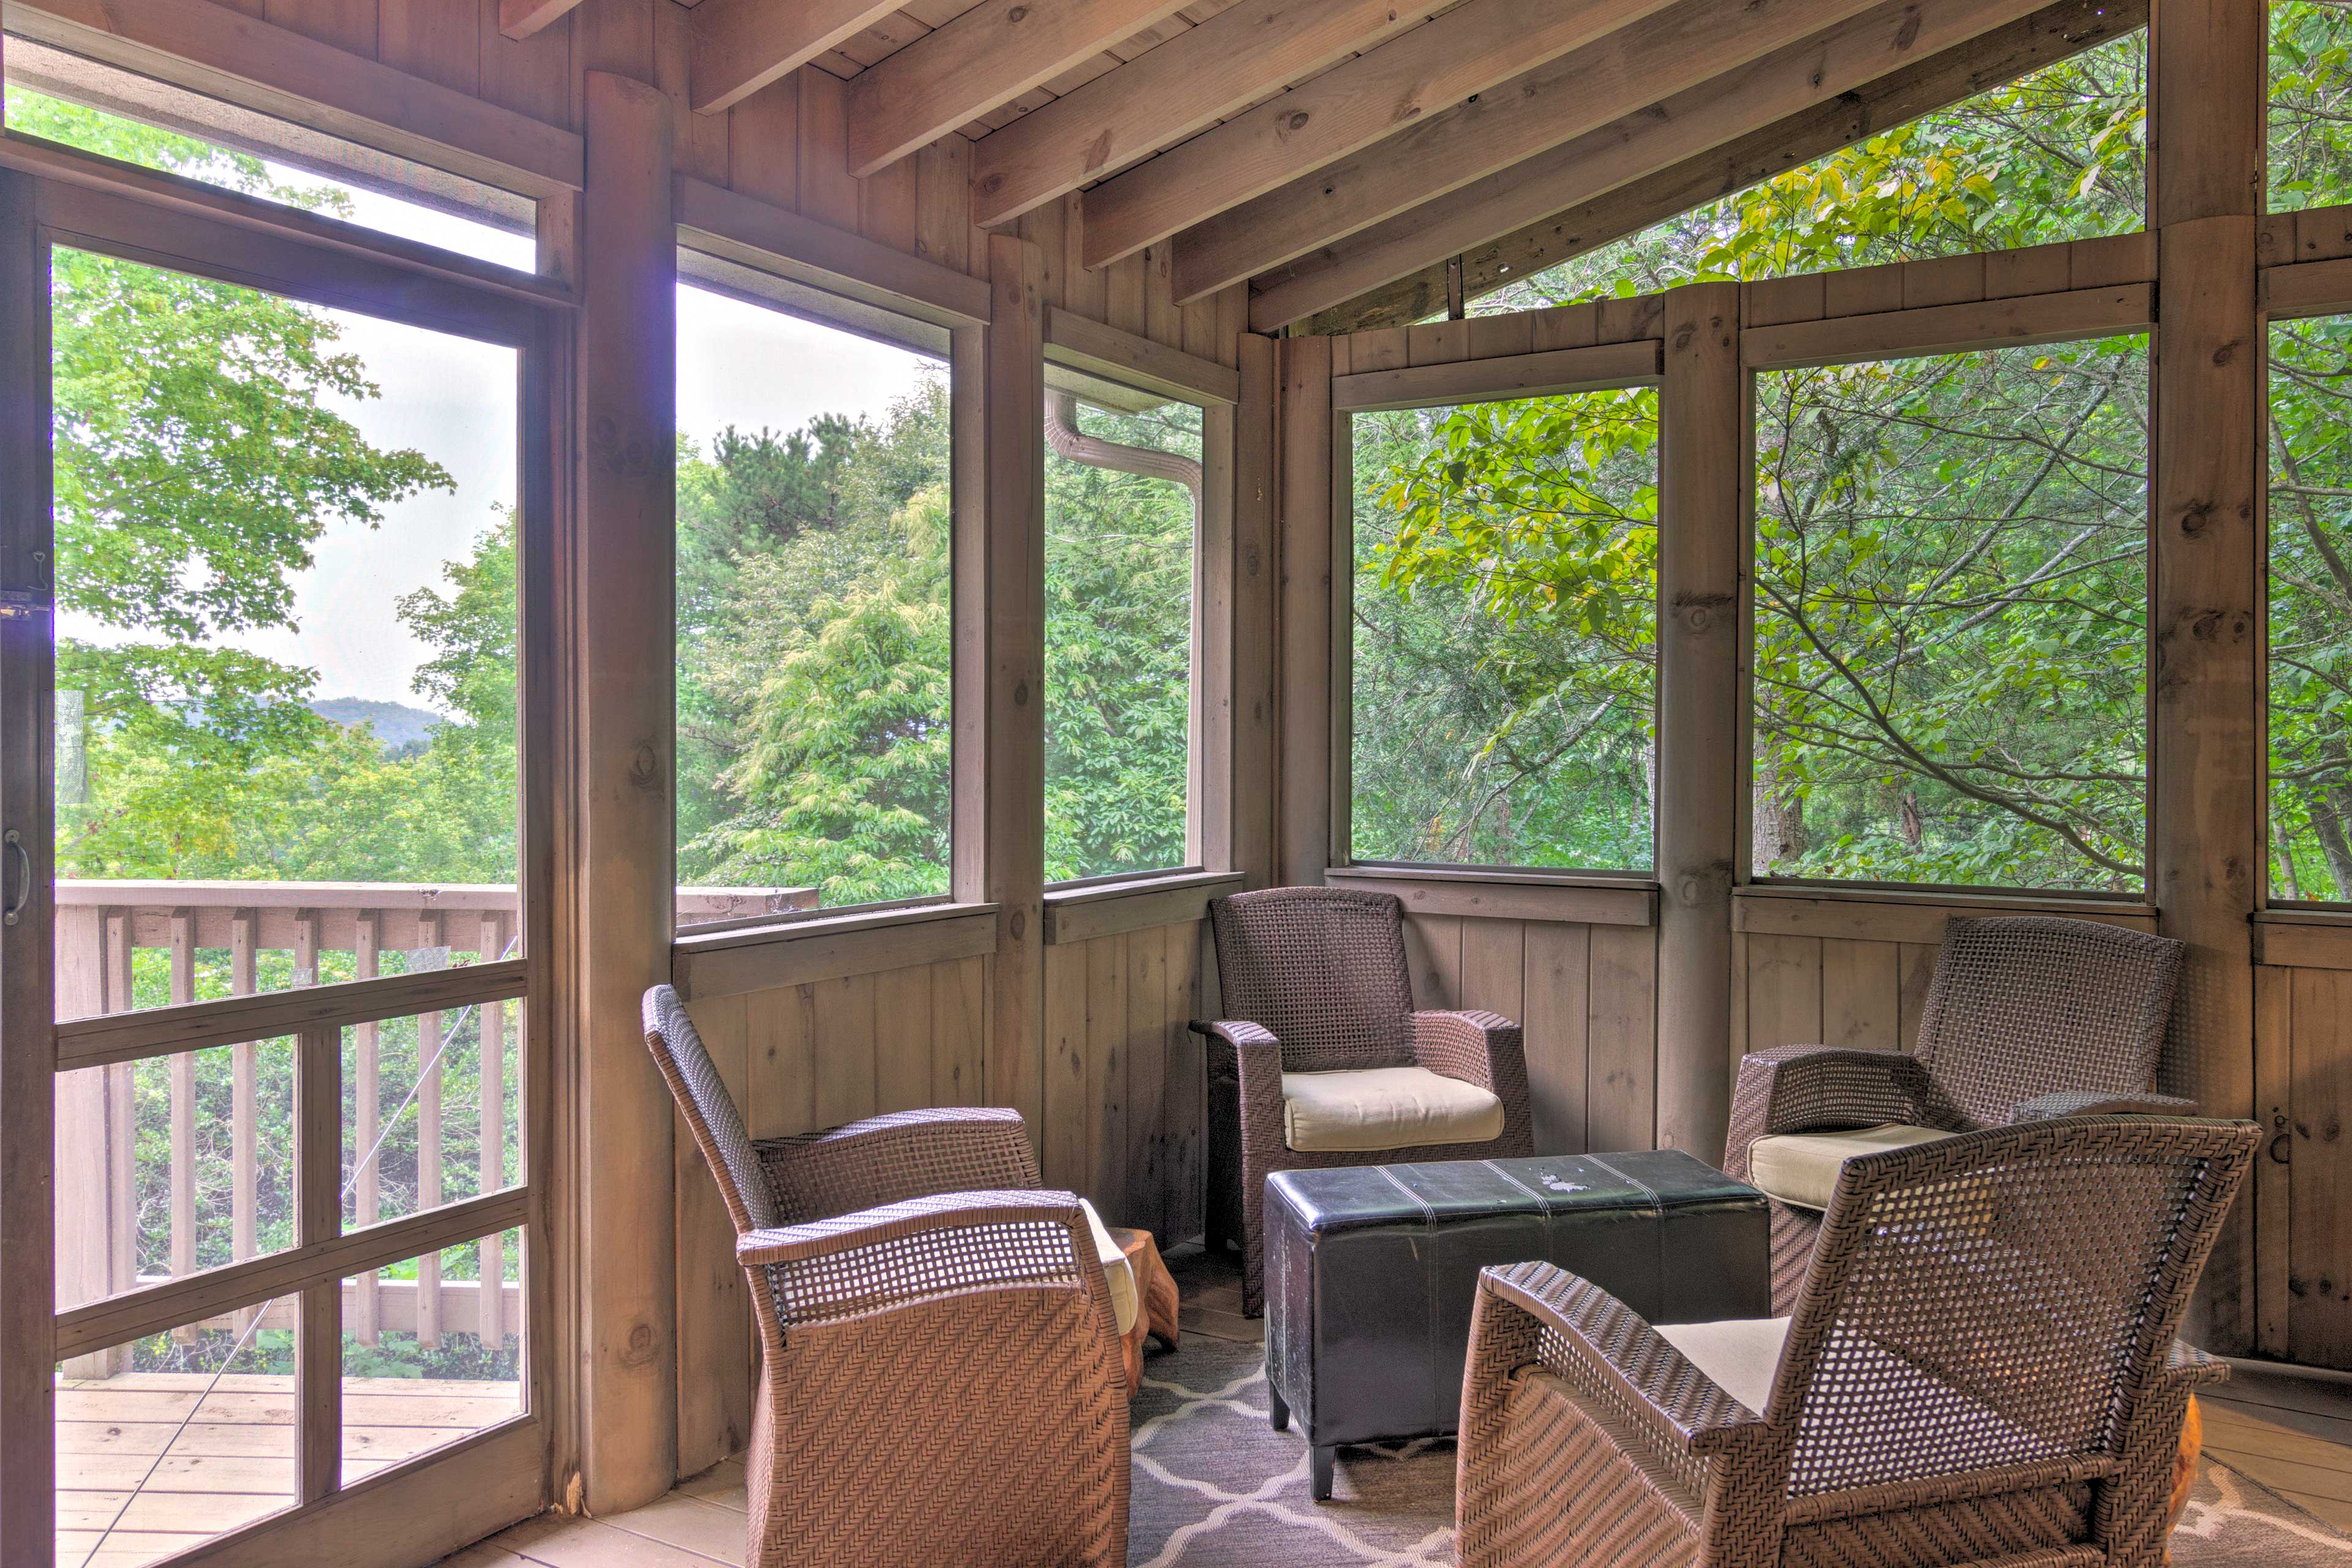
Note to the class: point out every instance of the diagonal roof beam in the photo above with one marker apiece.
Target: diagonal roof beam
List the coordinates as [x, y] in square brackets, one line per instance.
[738, 47]
[1352, 105]
[989, 56]
[2053, 33]
[1171, 92]
[1691, 42]
[1791, 79]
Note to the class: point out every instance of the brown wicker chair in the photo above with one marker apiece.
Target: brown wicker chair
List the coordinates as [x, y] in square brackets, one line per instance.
[1980, 1370]
[2026, 1017]
[941, 1376]
[1319, 1014]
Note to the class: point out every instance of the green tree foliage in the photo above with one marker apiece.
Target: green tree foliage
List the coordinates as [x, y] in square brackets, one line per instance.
[1504, 632]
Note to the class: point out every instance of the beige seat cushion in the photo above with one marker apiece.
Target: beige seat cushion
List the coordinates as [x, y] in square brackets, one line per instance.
[1117, 1273]
[1384, 1108]
[1802, 1168]
[1740, 1353]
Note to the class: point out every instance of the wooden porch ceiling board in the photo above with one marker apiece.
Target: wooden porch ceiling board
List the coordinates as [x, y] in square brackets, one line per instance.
[1577, 95]
[1792, 81]
[2051, 35]
[1164, 94]
[1351, 106]
[996, 51]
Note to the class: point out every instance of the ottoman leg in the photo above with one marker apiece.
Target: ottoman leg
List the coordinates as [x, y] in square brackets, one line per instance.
[1278, 1412]
[1322, 1472]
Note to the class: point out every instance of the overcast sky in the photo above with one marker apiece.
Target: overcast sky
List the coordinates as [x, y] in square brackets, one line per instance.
[454, 400]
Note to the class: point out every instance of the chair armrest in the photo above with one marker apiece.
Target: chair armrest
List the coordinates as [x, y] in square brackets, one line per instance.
[2096, 1102]
[2191, 1365]
[1797, 1089]
[1484, 1049]
[1609, 1354]
[890, 1159]
[918, 1251]
[1250, 1055]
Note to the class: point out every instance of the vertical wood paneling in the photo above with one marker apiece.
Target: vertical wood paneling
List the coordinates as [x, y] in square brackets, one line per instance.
[1494, 953]
[782, 1029]
[1621, 1012]
[1062, 1139]
[828, 191]
[1861, 994]
[1554, 1023]
[714, 1316]
[2319, 1222]
[763, 143]
[1784, 991]
[903, 1023]
[1916, 965]
[959, 1024]
[2272, 1178]
[1105, 1166]
[844, 1049]
[1147, 1074]
[1183, 1099]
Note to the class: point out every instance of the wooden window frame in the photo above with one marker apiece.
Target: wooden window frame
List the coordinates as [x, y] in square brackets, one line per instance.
[63, 197]
[1073, 342]
[1879, 326]
[1635, 362]
[836, 279]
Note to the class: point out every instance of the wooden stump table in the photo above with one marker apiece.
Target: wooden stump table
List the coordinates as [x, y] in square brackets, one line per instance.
[1155, 1290]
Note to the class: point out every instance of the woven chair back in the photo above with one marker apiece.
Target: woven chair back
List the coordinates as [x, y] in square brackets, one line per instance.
[2022, 1007]
[1323, 969]
[702, 1098]
[2000, 1299]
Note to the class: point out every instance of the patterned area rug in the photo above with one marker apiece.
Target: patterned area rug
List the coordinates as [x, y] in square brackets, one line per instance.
[1216, 1486]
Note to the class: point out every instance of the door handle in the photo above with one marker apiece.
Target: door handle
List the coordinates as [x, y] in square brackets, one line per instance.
[16, 841]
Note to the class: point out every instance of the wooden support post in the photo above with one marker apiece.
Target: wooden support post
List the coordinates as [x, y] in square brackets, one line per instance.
[317, 1211]
[28, 1080]
[367, 1114]
[487, 1324]
[245, 1139]
[1303, 609]
[624, 624]
[1254, 568]
[428, 1145]
[1014, 855]
[1702, 424]
[2205, 859]
[121, 1125]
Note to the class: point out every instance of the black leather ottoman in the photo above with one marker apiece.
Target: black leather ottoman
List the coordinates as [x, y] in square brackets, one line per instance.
[1371, 1270]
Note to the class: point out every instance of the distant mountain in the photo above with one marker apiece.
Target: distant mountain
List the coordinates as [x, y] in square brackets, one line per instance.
[400, 728]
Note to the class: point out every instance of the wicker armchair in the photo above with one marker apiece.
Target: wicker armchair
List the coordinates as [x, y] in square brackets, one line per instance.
[1322, 1061]
[941, 1376]
[1980, 1370]
[2026, 1017]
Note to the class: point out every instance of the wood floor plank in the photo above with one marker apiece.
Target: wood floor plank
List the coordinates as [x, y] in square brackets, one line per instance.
[689, 1524]
[594, 1544]
[2325, 1440]
[2286, 1475]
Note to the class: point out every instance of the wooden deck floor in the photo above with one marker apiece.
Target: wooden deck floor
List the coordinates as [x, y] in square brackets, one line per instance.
[167, 1465]
[2287, 1428]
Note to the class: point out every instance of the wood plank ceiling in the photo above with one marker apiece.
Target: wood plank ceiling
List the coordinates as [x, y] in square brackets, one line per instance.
[1342, 155]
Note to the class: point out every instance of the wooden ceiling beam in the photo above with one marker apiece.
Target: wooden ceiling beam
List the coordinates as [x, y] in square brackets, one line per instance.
[1166, 94]
[1801, 76]
[738, 47]
[989, 56]
[2053, 33]
[1417, 74]
[1690, 42]
[521, 18]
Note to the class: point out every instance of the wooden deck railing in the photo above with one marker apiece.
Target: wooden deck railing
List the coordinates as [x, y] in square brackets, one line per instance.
[101, 926]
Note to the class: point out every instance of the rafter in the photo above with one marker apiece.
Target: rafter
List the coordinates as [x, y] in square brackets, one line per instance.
[738, 47]
[989, 56]
[1352, 105]
[2056, 33]
[1795, 78]
[1691, 42]
[1168, 93]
